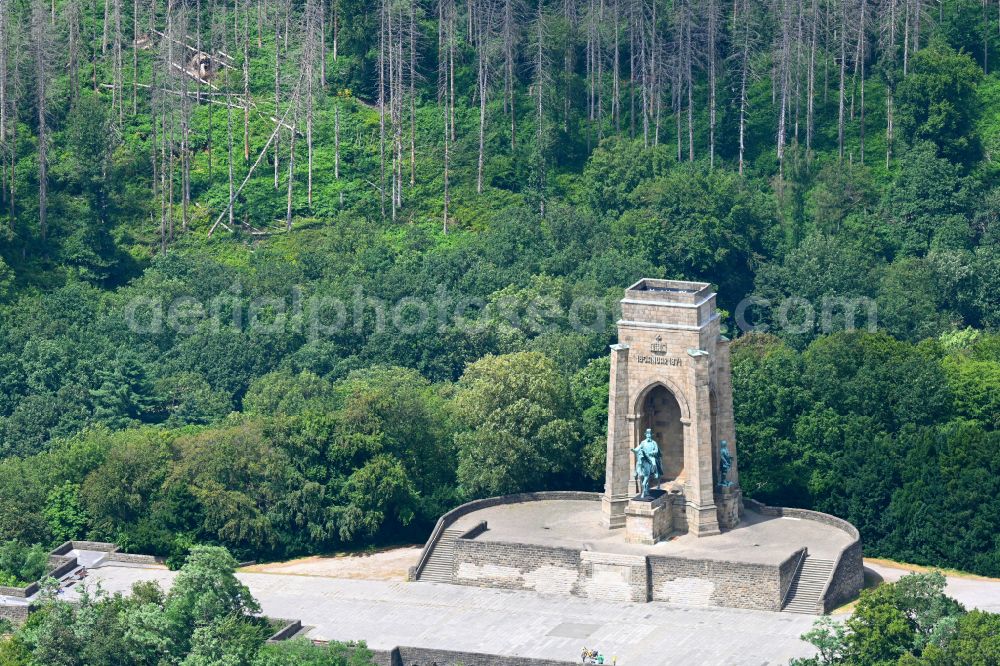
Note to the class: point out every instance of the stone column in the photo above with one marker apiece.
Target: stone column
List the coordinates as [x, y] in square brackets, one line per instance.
[699, 489]
[618, 469]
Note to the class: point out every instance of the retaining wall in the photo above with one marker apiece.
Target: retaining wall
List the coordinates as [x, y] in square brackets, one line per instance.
[706, 582]
[446, 521]
[554, 570]
[19, 592]
[412, 656]
[15, 614]
[848, 569]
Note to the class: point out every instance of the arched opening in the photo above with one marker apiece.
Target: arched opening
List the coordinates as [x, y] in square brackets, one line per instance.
[662, 414]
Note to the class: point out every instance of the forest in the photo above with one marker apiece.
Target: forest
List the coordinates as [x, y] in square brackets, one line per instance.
[297, 276]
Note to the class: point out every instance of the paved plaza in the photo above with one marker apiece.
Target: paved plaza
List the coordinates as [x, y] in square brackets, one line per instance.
[388, 613]
[504, 622]
[576, 524]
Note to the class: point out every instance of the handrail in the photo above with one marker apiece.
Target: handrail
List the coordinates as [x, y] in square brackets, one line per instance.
[798, 568]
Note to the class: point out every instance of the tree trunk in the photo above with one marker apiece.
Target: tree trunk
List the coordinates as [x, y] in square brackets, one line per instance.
[40, 38]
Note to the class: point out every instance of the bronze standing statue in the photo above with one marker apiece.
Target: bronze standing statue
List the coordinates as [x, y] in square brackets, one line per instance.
[647, 462]
[725, 464]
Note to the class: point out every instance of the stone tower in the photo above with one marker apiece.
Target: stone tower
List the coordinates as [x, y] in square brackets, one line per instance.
[670, 373]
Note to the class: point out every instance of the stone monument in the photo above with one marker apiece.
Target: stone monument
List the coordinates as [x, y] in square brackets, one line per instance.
[670, 378]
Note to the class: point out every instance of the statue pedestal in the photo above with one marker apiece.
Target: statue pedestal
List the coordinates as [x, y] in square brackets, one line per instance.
[649, 520]
[729, 503]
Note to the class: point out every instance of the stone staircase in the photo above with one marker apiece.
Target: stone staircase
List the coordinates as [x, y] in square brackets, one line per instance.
[807, 586]
[439, 564]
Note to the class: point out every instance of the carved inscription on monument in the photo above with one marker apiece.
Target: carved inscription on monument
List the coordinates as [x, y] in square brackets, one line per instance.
[657, 355]
[658, 360]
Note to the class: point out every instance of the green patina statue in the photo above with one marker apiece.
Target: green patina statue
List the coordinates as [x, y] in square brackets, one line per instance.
[725, 464]
[647, 462]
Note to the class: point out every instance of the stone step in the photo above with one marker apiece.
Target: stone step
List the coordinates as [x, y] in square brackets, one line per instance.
[439, 564]
[807, 585]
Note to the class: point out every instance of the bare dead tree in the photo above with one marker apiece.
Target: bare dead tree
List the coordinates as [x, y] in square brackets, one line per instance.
[782, 60]
[277, 95]
[889, 26]
[616, 93]
[510, 36]
[569, 56]
[861, 56]
[244, 36]
[487, 24]
[41, 48]
[811, 78]
[412, 76]
[713, 33]
[73, 43]
[842, 29]
[745, 40]
[118, 94]
[135, 57]
[311, 54]
[291, 165]
[446, 68]
[383, 51]
[8, 107]
[540, 79]
[336, 27]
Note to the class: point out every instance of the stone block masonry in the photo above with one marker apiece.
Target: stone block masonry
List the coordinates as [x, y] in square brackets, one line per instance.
[414, 656]
[715, 583]
[618, 577]
[512, 566]
[15, 614]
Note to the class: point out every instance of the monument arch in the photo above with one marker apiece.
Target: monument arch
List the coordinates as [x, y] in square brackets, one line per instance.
[670, 374]
[661, 411]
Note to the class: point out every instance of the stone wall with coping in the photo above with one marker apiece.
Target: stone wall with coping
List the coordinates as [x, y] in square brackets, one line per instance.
[99, 546]
[478, 561]
[134, 558]
[411, 656]
[448, 519]
[620, 577]
[15, 614]
[706, 582]
[61, 565]
[613, 577]
[847, 580]
[848, 570]
[788, 569]
[19, 592]
[288, 629]
[513, 566]
[422, 656]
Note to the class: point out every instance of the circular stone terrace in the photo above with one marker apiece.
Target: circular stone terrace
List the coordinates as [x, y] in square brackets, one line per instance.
[576, 524]
[775, 559]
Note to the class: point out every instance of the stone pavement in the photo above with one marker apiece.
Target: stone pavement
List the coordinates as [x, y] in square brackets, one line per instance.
[576, 524]
[505, 622]
[983, 594]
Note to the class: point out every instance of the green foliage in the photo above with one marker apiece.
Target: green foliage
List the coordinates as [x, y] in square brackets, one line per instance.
[937, 102]
[208, 618]
[300, 652]
[21, 564]
[66, 518]
[515, 432]
[910, 622]
[122, 418]
[878, 431]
